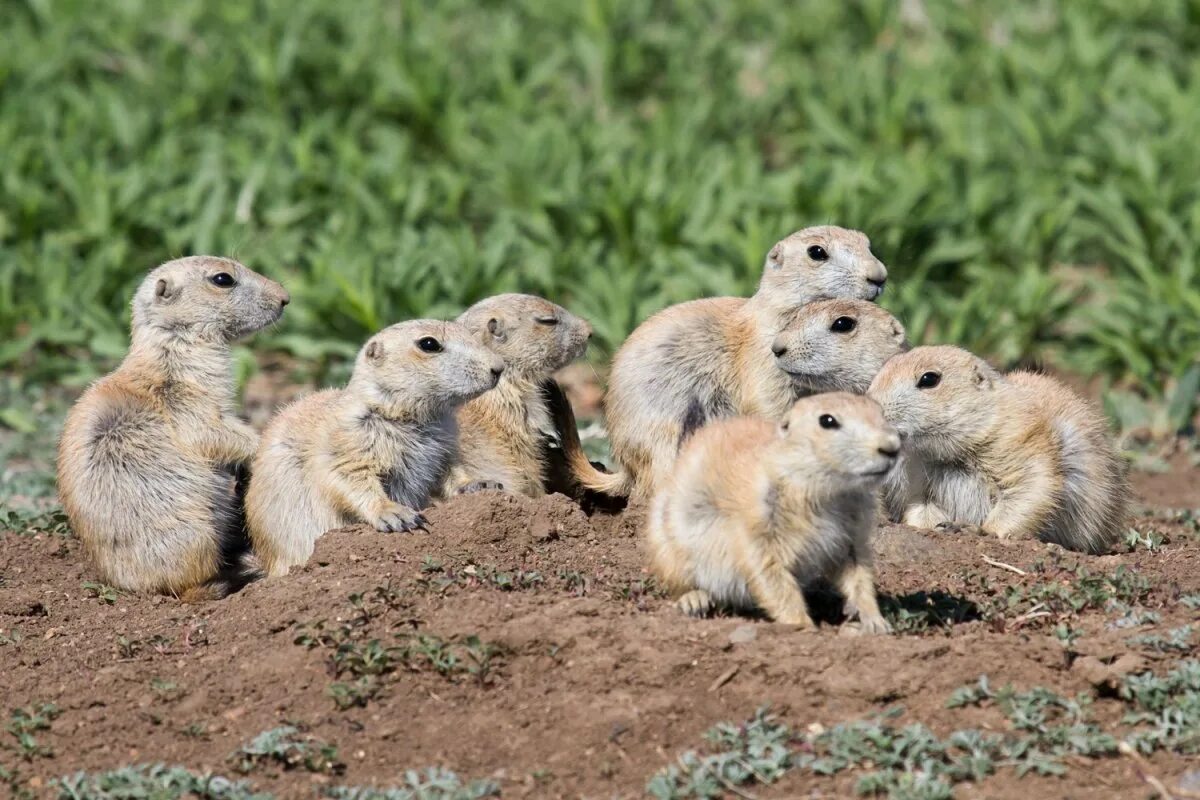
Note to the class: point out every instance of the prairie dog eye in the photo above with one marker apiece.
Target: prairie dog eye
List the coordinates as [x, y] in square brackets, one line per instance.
[828, 422]
[817, 253]
[428, 344]
[843, 325]
[222, 280]
[546, 320]
[929, 380]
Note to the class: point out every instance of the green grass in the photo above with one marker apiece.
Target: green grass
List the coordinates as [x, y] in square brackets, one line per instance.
[1026, 170]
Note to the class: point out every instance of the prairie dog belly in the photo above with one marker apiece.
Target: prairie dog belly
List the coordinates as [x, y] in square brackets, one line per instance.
[965, 495]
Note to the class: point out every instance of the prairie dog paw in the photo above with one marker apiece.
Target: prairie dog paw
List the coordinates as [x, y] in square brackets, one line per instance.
[801, 622]
[696, 603]
[964, 528]
[480, 486]
[400, 519]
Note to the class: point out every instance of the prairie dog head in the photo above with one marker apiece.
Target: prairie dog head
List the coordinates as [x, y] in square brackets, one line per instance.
[207, 299]
[822, 263]
[423, 368]
[939, 398]
[840, 438]
[838, 345]
[534, 336]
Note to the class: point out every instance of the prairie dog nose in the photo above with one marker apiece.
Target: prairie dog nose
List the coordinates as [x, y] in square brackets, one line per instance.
[778, 347]
[890, 445]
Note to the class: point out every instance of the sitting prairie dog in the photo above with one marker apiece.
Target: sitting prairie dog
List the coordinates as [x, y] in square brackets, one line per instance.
[1017, 456]
[148, 454]
[503, 433]
[708, 359]
[837, 346]
[372, 452]
[754, 509]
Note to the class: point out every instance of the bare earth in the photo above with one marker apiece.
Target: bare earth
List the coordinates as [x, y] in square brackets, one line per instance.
[585, 682]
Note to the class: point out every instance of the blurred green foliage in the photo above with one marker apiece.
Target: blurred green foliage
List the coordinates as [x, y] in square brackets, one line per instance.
[1028, 171]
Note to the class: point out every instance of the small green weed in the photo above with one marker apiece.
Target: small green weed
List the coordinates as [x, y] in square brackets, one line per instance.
[154, 782]
[25, 722]
[357, 694]
[286, 748]
[1166, 710]
[1176, 640]
[430, 784]
[103, 592]
[740, 755]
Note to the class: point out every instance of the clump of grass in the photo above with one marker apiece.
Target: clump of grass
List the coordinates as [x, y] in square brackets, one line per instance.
[1175, 640]
[108, 595]
[23, 723]
[285, 747]
[1166, 709]
[430, 784]
[154, 782]
[368, 660]
[739, 755]
[1080, 591]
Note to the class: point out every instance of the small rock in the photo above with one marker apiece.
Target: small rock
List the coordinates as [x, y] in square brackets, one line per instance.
[1098, 673]
[1190, 781]
[743, 634]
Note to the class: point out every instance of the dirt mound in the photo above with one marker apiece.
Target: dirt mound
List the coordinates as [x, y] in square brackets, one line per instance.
[521, 641]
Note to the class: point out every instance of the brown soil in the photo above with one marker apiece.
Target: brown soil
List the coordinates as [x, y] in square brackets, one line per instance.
[597, 681]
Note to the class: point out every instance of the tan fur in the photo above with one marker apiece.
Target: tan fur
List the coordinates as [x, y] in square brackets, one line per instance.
[711, 358]
[754, 509]
[148, 454]
[1019, 456]
[372, 452]
[503, 433]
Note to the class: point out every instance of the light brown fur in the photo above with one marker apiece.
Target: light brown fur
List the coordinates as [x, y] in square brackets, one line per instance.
[711, 358]
[148, 454]
[755, 508]
[372, 452]
[1016, 456]
[503, 433]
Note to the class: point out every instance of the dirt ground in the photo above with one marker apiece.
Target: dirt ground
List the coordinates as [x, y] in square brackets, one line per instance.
[585, 681]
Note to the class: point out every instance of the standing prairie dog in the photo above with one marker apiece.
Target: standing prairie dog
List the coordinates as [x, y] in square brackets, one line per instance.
[148, 453]
[503, 433]
[1017, 455]
[372, 452]
[711, 358]
[755, 509]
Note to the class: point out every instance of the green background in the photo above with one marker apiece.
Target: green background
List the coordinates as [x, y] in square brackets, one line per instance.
[1030, 172]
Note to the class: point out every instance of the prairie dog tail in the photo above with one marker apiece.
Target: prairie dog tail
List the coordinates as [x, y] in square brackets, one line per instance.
[615, 484]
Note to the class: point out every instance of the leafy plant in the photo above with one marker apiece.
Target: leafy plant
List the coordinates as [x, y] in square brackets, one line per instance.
[285, 747]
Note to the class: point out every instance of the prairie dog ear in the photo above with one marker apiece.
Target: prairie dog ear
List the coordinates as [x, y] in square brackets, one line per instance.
[899, 337]
[982, 376]
[775, 257]
[164, 292]
[374, 351]
[496, 329]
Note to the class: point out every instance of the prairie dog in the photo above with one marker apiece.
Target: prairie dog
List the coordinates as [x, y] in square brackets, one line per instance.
[711, 358]
[755, 509]
[837, 346]
[372, 452]
[502, 433]
[1018, 456]
[148, 454]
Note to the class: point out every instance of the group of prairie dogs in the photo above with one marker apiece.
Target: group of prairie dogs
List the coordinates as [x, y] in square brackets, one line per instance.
[742, 422]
